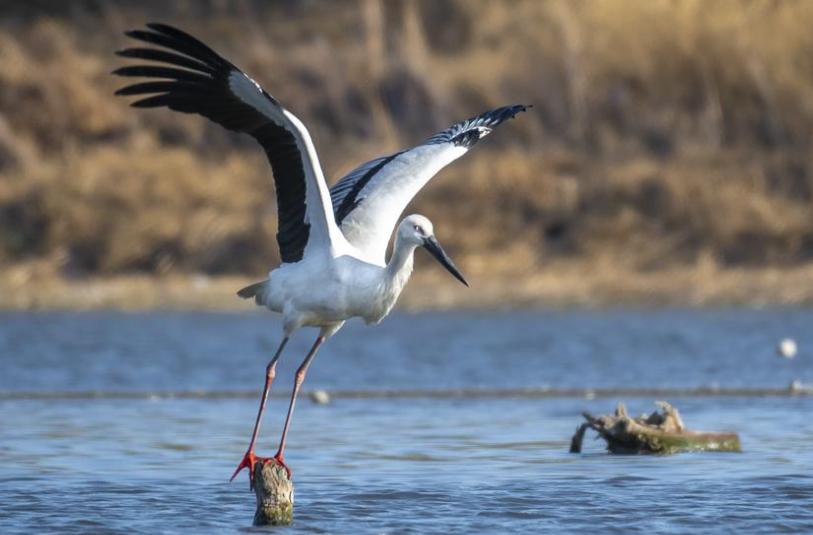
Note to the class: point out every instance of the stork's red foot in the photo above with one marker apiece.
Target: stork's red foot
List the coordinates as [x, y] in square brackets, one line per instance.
[280, 460]
[249, 460]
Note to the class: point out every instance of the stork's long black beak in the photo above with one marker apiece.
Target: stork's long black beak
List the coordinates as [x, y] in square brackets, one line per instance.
[434, 248]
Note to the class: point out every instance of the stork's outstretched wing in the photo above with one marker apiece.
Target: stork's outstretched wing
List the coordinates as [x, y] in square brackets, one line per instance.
[369, 200]
[189, 77]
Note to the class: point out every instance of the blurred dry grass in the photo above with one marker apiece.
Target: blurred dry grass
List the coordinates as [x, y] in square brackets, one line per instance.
[667, 136]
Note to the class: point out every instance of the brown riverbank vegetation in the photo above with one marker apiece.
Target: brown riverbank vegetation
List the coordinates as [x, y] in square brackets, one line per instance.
[666, 137]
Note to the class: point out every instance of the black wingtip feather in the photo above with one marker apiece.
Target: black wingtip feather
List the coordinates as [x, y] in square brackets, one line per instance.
[155, 101]
[157, 25]
[190, 77]
[180, 42]
[140, 35]
[467, 133]
[183, 37]
[166, 57]
[518, 108]
[167, 29]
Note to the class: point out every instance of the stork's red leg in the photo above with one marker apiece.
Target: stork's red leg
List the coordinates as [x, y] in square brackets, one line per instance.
[299, 379]
[249, 459]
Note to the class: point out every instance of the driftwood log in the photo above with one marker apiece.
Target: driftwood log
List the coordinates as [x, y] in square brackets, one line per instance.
[275, 494]
[661, 432]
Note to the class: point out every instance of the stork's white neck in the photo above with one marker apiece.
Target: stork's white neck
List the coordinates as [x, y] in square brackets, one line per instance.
[399, 268]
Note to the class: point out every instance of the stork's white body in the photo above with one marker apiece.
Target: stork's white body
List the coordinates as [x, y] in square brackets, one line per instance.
[323, 289]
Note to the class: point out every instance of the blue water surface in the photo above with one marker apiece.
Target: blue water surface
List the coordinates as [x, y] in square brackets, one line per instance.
[400, 465]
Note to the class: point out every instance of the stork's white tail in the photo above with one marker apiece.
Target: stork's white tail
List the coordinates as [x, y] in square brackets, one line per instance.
[256, 290]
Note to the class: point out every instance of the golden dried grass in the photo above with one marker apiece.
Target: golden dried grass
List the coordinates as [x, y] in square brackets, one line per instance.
[664, 132]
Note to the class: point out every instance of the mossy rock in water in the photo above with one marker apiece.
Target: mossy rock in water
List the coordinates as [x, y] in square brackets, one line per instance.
[662, 432]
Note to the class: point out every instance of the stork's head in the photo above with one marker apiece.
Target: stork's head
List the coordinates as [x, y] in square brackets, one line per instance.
[418, 231]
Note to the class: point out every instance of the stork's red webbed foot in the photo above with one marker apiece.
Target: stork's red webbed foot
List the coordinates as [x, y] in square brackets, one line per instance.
[280, 460]
[250, 459]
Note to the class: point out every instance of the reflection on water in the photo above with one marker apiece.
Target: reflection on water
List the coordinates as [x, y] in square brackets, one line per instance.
[401, 465]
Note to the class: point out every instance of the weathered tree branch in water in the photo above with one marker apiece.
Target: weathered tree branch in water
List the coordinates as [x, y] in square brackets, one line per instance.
[660, 432]
[275, 494]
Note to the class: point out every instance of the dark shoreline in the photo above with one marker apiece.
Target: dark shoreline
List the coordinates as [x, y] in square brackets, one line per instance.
[795, 390]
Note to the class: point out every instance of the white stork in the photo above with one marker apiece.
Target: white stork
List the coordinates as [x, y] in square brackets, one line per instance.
[332, 242]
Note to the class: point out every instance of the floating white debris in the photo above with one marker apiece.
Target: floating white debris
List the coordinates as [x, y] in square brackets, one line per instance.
[787, 348]
[320, 397]
[798, 387]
